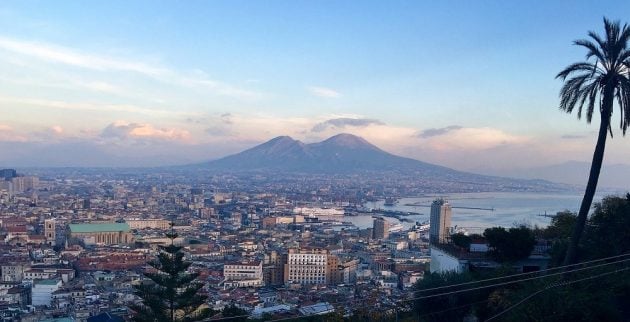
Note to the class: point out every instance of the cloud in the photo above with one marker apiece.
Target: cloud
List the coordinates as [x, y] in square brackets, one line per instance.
[85, 106]
[343, 122]
[226, 118]
[218, 131]
[572, 136]
[8, 134]
[71, 57]
[56, 129]
[438, 131]
[124, 130]
[471, 139]
[323, 92]
[49, 134]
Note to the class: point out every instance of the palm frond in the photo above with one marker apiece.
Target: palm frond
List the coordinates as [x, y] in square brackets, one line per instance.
[574, 91]
[593, 50]
[623, 99]
[578, 67]
[602, 44]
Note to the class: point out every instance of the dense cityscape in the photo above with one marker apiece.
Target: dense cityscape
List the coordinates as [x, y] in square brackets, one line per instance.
[74, 244]
[314, 161]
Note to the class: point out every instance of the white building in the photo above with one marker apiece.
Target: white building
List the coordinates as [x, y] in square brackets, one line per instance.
[243, 274]
[443, 262]
[42, 291]
[317, 309]
[440, 221]
[321, 213]
[306, 266]
[148, 223]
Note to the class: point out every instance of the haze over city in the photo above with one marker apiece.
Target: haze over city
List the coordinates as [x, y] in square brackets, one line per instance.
[314, 161]
[469, 86]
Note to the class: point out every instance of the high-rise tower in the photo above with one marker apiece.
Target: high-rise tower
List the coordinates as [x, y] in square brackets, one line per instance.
[440, 221]
[380, 228]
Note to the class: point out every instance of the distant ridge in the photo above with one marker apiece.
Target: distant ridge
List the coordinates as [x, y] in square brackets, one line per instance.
[342, 153]
[574, 173]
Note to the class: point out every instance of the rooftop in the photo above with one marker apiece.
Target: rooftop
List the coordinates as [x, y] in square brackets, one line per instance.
[47, 282]
[98, 228]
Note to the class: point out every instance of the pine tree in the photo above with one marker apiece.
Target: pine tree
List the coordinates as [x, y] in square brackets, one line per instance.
[172, 293]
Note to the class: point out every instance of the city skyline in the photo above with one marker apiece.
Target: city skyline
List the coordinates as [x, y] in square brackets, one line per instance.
[160, 84]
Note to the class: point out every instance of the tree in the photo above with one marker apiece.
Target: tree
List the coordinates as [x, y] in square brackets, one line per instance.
[559, 233]
[601, 79]
[451, 307]
[235, 313]
[608, 228]
[461, 240]
[510, 245]
[172, 293]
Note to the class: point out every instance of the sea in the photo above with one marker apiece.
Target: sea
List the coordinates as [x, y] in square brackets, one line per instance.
[491, 209]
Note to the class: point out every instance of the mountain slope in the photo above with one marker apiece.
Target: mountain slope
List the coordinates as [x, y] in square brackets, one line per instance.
[343, 153]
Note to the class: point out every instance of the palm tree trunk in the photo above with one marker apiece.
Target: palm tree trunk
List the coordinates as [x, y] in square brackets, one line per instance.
[591, 186]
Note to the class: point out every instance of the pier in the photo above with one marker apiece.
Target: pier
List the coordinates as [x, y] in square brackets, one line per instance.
[454, 207]
[400, 215]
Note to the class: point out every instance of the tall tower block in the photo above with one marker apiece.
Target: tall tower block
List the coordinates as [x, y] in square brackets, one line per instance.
[440, 221]
[380, 228]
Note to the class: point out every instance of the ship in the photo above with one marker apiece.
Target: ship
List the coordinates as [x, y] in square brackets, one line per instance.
[390, 201]
[396, 228]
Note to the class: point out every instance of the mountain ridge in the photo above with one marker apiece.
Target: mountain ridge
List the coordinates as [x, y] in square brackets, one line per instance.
[347, 155]
[342, 153]
[570, 172]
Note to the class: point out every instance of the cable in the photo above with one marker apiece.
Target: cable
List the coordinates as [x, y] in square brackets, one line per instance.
[482, 287]
[513, 282]
[474, 282]
[581, 300]
[453, 308]
[521, 274]
[553, 286]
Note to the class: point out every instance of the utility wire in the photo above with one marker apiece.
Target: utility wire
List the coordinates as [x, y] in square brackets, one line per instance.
[519, 274]
[467, 283]
[564, 283]
[465, 290]
[513, 282]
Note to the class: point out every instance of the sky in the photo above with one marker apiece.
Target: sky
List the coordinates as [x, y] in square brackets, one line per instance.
[465, 84]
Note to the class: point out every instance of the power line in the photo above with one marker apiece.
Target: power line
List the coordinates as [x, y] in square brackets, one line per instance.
[471, 289]
[520, 274]
[513, 282]
[581, 300]
[453, 308]
[553, 286]
[468, 283]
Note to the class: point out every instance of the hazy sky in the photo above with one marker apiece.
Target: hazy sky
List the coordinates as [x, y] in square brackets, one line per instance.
[467, 84]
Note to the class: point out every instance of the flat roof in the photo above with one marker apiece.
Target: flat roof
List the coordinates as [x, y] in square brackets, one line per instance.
[98, 228]
[47, 282]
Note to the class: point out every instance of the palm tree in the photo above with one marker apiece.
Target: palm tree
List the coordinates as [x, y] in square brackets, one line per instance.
[600, 80]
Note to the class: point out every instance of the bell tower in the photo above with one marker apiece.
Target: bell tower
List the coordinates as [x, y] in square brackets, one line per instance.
[50, 231]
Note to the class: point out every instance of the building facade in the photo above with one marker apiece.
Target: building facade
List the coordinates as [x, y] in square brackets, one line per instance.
[381, 228]
[14, 272]
[50, 227]
[243, 274]
[306, 267]
[42, 291]
[148, 224]
[440, 221]
[102, 233]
